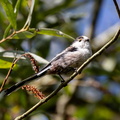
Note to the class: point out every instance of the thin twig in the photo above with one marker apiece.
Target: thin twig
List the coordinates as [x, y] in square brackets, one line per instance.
[117, 7]
[96, 11]
[11, 35]
[8, 74]
[28, 21]
[33, 63]
[71, 78]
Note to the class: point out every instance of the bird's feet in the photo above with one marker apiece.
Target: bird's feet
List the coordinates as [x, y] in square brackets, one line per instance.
[62, 79]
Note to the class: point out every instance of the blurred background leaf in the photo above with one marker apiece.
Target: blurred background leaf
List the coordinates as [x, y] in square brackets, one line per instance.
[5, 64]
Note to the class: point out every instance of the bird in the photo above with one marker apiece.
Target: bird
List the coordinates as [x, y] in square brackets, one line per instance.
[63, 63]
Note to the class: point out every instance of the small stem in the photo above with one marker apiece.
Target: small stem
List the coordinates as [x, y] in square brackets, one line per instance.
[117, 7]
[9, 72]
[6, 78]
[10, 36]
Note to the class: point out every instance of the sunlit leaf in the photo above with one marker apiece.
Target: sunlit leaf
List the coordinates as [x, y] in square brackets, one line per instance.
[38, 58]
[53, 32]
[46, 31]
[5, 64]
[16, 9]
[28, 21]
[17, 54]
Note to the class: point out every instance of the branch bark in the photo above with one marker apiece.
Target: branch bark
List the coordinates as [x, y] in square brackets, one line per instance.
[117, 7]
[96, 10]
[99, 52]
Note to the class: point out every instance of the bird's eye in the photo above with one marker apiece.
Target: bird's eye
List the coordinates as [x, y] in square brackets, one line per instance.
[80, 40]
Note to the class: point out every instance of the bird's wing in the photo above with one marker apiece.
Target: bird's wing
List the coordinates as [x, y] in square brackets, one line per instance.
[58, 56]
[69, 49]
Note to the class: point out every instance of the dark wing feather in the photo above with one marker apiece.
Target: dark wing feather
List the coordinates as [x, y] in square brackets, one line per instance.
[69, 49]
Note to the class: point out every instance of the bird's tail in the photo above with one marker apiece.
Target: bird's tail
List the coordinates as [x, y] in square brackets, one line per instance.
[23, 82]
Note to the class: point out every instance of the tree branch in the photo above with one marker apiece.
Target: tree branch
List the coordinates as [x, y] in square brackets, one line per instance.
[71, 78]
[117, 7]
[11, 35]
[7, 76]
[96, 11]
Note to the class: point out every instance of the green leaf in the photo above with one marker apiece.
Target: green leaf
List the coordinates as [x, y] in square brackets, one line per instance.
[6, 4]
[5, 64]
[9, 55]
[15, 12]
[28, 21]
[53, 32]
[7, 30]
[39, 59]
[47, 31]
[23, 35]
[17, 6]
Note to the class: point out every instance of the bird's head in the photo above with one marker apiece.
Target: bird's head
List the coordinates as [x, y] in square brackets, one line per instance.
[81, 42]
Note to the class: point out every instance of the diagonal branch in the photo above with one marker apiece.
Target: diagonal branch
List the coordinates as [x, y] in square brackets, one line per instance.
[117, 7]
[96, 11]
[71, 78]
[7, 76]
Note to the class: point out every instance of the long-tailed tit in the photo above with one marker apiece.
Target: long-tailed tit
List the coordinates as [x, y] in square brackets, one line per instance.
[66, 61]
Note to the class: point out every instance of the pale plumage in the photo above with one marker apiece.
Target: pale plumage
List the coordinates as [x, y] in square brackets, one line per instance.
[65, 62]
